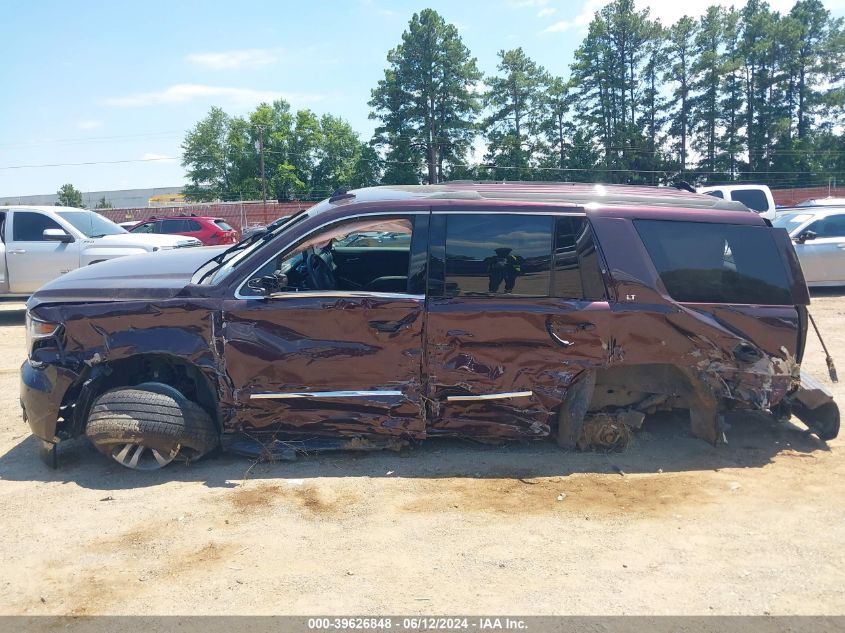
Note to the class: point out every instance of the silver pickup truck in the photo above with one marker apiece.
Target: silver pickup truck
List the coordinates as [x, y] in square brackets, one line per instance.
[38, 244]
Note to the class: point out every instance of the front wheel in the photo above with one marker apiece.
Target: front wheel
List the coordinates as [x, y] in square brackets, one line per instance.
[147, 426]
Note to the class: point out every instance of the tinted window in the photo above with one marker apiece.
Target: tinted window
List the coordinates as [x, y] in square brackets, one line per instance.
[148, 227]
[751, 198]
[831, 226]
[189, 226]
[172, 226]
[577, 274]
[222, 225]
[716, 263]
[29, 227]
[498, 254]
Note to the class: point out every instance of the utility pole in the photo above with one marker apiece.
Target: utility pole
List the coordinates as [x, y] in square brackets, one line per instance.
[260, 147]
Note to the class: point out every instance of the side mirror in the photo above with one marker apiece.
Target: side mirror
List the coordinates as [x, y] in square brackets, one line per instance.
[269, 284]
[806, 235]
[57, 235]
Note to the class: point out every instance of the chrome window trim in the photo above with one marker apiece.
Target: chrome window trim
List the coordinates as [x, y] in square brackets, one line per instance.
[315, 293]
[580, 214]
[491, 396]
[283, 395]
[340, 294]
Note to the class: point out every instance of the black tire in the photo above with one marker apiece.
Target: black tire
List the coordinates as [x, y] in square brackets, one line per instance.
[823, 421]
[154, 415]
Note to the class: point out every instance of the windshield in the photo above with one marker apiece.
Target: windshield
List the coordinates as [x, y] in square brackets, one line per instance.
[91, 224]
[791, 221]
[219, 267]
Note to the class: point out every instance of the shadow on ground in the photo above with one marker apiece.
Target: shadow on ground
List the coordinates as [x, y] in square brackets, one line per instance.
[664, 443]
[12, 316]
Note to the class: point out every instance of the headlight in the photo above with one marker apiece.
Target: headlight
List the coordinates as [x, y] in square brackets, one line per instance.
[36, 329]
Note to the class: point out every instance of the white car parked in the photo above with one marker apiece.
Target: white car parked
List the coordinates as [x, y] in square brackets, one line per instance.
[819, 236]
[40, 243]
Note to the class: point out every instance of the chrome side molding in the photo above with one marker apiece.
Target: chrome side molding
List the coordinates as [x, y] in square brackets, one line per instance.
[322, 394]
[491, 396]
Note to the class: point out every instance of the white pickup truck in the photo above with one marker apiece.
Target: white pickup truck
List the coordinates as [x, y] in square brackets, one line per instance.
[758, 198]
[37, 244]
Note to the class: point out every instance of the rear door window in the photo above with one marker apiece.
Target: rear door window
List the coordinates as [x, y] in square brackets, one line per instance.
[172, 226]
[754, 199]
[717, 263]
[492, 255]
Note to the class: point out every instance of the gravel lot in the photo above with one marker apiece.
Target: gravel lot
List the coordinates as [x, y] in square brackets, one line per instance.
[672, 526]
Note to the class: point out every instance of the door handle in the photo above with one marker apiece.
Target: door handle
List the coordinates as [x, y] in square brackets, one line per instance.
[386, 326]
[586, 326]
[16, 251]
[562, 342]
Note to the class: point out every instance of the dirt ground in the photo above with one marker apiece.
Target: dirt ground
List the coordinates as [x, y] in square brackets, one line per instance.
[672, 526]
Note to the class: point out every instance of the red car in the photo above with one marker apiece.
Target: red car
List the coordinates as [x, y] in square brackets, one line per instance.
[210, 231]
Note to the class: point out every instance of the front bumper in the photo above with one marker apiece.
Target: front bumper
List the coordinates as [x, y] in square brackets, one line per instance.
[43, 388]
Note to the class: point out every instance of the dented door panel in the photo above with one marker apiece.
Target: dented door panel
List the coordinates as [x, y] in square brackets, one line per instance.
[325, 365]
[488, 347]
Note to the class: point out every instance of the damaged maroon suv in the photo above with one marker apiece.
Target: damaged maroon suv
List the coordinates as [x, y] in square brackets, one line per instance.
[388, 315]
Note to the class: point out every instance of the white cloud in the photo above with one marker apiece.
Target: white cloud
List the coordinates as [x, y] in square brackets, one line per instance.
[89, 124]
[182, 93]
[228, 60]
[162, 158]
[667, 11]
[545, 12]
[581, 20]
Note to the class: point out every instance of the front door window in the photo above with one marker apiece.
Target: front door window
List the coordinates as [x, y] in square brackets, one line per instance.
[367, 255]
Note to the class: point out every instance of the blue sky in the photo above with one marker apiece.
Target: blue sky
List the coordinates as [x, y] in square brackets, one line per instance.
[106, 82]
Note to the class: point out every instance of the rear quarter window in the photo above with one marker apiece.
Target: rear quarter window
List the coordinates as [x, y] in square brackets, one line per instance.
[754, 199]
[717, 263]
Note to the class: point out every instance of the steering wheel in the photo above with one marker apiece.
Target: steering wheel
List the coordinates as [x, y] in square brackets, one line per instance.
[320, 273]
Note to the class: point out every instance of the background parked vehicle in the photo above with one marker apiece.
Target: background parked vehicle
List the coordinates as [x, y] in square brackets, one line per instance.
[819, 236]
[756, 197]
[41, 243]
[210, 231]
[822, 202]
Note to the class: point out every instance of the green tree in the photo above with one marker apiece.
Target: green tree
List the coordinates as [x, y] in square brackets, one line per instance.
[515, 101]
[557, 102]
[707, 72]
[426, 96]
[608, 74]
[681, 60]
[69, 196]
[102, 203]
[204, 156]
[731, 139]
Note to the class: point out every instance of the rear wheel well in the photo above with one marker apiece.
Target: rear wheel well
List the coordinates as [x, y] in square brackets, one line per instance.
[189, 379]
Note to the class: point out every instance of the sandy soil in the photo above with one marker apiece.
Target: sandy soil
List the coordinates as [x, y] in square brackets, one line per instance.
[672, 526]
